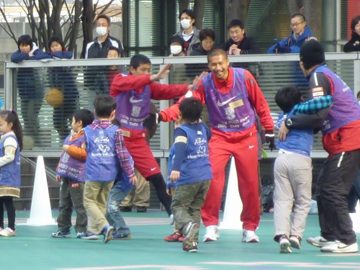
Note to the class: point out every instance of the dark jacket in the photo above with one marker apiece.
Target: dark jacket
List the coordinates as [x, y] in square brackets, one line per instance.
[291, 44]
[353, 44]
[247, 45]
[95, 49]
[198, 49]
[29, 83]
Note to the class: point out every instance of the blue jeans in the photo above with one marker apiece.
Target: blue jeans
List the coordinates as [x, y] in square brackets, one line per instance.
[113, 213]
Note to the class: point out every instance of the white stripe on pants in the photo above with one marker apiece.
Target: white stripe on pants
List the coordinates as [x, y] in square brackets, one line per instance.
[293, 179]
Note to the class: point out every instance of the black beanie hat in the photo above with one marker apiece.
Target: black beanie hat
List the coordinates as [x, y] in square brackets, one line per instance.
[312, 54]
[177, 38]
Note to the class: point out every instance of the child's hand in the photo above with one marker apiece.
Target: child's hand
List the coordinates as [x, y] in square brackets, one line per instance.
[174, 176]
[133, 180]
[58, 178]
[65, 147]
[31, 54]
[168, 191]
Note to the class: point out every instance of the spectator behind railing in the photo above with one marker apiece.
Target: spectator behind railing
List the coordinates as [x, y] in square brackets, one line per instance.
[206, 44]
[62, 79]
[190, 34]
[29, 85]
[239, 43]
[96, 78]
[300, 33]
[354, 43]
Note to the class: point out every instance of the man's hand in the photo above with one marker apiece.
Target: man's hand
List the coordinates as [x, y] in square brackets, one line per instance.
[133, 180]
[162, 73]
[234, 50]
[152, 120]
[196, 80]
[270, 138]
[58, 178]
[174, 176]
[283, 131]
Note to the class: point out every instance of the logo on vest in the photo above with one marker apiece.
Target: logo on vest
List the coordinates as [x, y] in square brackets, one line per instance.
[221, 104]
[230, 113]
[132, 100]
[103, 148]
[135, 111]
[102, 139]
[65, 157]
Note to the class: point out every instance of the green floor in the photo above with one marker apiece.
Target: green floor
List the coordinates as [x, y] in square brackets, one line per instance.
[33, 248]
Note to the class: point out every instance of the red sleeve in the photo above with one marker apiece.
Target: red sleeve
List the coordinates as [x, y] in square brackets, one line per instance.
[122, 83]
[172, 112]
[258, 101]
[167, 91]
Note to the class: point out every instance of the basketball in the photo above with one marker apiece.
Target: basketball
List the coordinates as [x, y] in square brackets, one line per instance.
[54, 97]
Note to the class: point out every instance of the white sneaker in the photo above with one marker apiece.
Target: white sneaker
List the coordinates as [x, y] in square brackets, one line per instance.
[295, 241]
[284, 245]
[211, 234]
[7, 232]
[250, 237]
[319, 241]
[339, 247]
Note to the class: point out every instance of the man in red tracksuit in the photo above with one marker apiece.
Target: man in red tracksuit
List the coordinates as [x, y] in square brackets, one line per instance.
[133, 93]
[231, 95]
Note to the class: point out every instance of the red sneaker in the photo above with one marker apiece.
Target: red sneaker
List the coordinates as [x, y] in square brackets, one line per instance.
[173, 237]
[181, 238]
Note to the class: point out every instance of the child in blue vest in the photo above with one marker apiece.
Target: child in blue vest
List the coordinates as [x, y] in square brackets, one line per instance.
[11, 144]
[105, 149]
[293, 169]
[70, 173]
[190, 170]
[119, 191]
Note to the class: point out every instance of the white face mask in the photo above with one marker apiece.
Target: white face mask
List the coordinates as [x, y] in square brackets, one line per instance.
[185, 23]
[175, 49]
[101, 31]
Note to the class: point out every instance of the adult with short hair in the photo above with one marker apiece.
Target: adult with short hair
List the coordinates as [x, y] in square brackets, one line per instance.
[97, 77]
[353, 45]
[232, 97]
[207, 40]
[189, 33]
[340, 124]
[300, 33]
[239, 42]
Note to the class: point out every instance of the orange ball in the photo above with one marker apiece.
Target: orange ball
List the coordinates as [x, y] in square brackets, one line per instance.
[54, 97]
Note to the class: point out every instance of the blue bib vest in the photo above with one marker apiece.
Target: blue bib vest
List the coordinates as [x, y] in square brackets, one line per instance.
[230, 112]
[345, 107]
[298, 141]
[196, 165]
[70, 167]
[10, 173]
[132, 108]
[101, 162]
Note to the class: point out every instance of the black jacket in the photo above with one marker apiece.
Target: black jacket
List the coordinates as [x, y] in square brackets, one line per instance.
[247, 45]
[353, 44]
[95, 49]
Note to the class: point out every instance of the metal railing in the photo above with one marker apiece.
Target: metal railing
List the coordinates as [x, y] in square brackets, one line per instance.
[82, 79]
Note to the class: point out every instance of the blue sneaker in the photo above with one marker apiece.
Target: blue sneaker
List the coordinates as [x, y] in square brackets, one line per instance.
[107, 232]
[61, 234]
[121, 236]
[90, 236]
[80, 234]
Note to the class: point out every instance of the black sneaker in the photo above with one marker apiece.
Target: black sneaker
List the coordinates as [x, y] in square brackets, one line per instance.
[125, 209]
[141, 209]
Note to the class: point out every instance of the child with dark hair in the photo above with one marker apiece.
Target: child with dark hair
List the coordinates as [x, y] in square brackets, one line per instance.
[293, 170]
[29, 85]
[207, 40]
[133, 93]
[62, 79]
[70, 172]
[105, 150]
[113, 53]
[190, 170]
[11, 144]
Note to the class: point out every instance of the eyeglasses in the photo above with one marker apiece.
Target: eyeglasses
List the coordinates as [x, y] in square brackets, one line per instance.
[295, 24]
